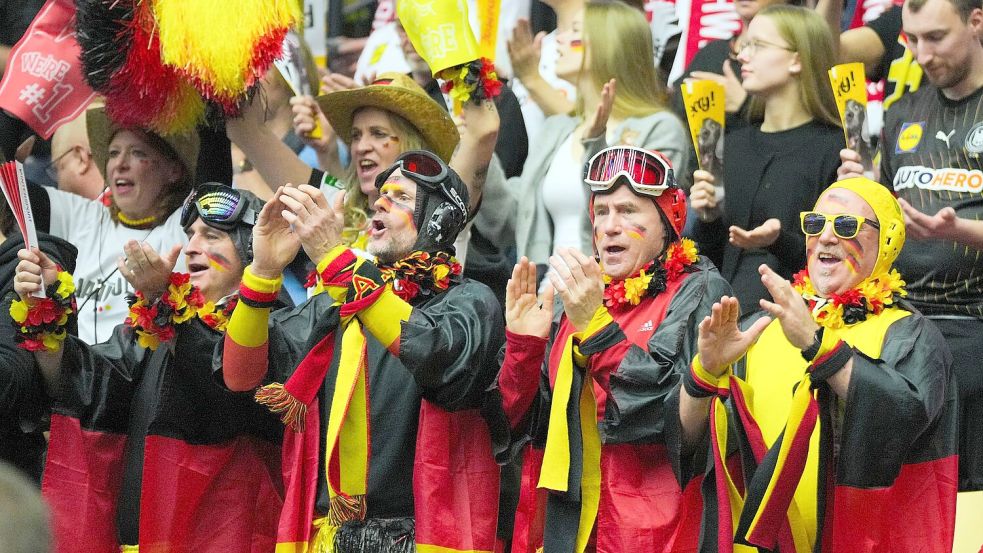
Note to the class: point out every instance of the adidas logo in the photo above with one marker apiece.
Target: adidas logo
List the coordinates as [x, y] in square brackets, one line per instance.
[647, 326]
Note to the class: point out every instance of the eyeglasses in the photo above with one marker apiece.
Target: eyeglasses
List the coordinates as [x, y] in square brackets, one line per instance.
[51, 169]
[218, 205]
[844, 226]
[649, 173]
[427, 170]
[752, 46]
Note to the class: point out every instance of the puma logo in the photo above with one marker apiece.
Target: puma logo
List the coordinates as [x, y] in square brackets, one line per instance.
[945, 137]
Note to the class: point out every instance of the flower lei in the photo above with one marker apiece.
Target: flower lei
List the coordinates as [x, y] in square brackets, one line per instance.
[41, 324]
[154, 323]
[838, 310]
[475, 81]
[652, 279]
[217, 317]
[422, 272]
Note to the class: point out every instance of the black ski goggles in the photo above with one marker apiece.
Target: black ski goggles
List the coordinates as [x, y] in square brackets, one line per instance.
[427, 170]
[219, 206]
[648, 173]
[844, 226]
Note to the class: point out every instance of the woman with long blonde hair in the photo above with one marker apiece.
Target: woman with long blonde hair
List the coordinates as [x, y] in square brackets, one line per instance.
[778, 165]
[620, 100]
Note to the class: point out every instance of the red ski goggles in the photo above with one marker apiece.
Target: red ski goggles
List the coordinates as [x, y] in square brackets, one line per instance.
[648, 173]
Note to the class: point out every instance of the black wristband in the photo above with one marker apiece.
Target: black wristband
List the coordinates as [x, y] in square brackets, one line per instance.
[817, 341]
[831, 363]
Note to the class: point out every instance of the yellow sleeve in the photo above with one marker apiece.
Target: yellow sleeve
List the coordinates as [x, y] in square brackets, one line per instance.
[384, 318]
[248, 325]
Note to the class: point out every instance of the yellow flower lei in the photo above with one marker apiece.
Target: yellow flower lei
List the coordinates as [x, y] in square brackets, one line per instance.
[872, 295]
[40, 325]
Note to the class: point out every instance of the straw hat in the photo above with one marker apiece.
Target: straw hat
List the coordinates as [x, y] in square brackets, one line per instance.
[101, 130]
[399, 94]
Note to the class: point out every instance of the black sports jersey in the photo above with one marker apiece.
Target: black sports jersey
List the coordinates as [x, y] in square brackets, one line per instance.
[898, 68]
[930, 154]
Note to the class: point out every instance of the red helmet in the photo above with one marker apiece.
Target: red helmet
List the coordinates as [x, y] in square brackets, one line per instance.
[648, 172]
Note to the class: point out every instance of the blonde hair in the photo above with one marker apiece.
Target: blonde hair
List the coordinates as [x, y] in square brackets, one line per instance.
[808, 35]
[356, 202]
[618, 45]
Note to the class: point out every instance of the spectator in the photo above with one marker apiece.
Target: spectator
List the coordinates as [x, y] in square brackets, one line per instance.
[929, 157]
[72, 165]
[23, 398]
[551, 200]
[145, 447]
[790, 151]
[23, 516]
[148, 178]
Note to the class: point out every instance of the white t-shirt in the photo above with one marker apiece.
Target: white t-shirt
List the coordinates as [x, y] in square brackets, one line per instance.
[565, 198]
[99, 288]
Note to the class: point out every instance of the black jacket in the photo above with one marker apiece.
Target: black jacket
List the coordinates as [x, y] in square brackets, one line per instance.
[769, 175]
[23, 403]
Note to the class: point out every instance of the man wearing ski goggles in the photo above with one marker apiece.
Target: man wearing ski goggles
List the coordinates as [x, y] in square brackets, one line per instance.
[221, 206]
[648, 173]
[627, 320]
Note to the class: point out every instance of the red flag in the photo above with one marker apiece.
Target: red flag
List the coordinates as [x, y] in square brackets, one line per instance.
[43, 84]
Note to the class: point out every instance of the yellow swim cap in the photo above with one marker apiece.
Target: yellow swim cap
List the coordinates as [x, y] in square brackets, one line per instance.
[889, 216]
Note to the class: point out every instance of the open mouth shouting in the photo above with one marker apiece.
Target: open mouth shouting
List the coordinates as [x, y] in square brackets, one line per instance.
[376, 228]
[122, 187]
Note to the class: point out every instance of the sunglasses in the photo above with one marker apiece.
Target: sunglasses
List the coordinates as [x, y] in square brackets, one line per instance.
[844, 226]
[648, 173]
[218, 205]
[425, 169]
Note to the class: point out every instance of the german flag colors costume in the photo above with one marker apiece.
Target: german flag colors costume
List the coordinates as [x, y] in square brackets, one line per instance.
[794, 467]
[595, 406]
[146, 447]
[384, 376]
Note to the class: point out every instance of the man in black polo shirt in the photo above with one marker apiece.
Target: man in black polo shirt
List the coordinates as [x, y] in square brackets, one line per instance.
[930, 155]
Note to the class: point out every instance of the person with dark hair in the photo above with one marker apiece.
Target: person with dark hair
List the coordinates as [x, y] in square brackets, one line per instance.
[589, 385]
[146, 449]
[381, 376]
[930, 148]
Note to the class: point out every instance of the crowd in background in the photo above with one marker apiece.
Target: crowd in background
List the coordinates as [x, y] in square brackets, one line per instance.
[580, 76]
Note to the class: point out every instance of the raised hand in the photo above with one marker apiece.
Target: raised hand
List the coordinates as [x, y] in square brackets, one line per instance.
[787, 306]
[307, 117]
[34, 272]
[759, 237]
[703, 195]
[721, 341]
[145, 269]
[599, 124]
[919, 225]
[275, 244]
[734, 93]
[525, 313]
[525, 50]
[851, 165]
[317, 224]
[577, 278]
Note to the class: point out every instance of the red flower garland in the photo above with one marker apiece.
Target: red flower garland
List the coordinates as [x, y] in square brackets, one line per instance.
[154, 323]
[422, 272]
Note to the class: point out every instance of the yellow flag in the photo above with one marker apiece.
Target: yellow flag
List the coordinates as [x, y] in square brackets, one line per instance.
[439, 30]
[704, 103]
[850, 91]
